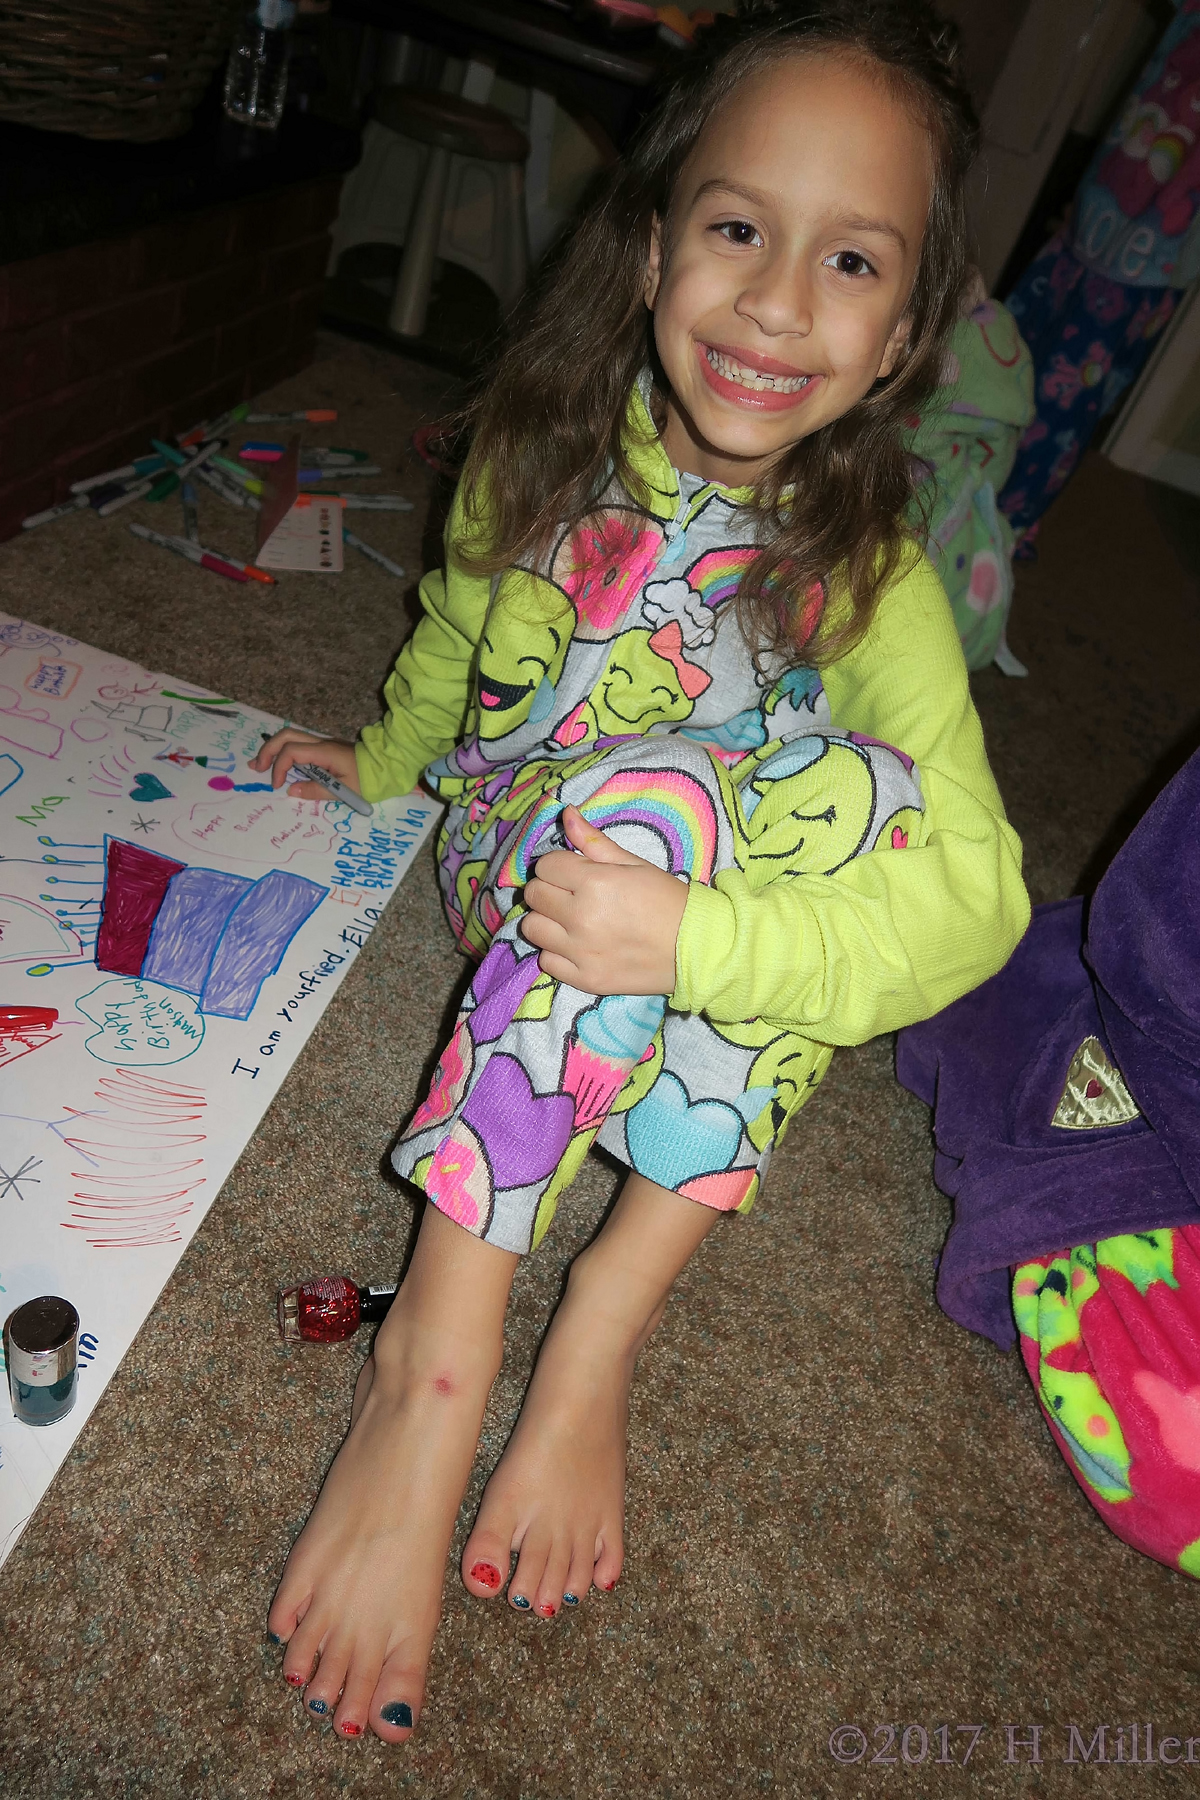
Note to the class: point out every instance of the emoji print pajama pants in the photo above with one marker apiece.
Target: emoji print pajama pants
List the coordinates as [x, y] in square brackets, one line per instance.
[536, 1071]
[1110, 1333]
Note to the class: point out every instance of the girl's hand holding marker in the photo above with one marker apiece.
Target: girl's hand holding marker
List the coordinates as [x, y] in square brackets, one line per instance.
[306, 754]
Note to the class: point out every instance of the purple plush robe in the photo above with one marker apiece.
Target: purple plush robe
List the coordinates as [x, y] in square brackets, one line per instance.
[994, 1066]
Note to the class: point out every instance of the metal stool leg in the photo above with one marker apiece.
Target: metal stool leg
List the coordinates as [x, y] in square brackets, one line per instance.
[410, 302]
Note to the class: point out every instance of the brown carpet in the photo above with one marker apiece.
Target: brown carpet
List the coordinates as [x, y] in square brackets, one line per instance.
[842, 1508]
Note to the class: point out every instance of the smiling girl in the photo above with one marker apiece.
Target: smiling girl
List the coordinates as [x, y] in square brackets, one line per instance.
[718, 797]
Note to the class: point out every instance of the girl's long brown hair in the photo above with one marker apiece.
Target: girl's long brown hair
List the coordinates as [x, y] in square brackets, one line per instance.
[548, 429]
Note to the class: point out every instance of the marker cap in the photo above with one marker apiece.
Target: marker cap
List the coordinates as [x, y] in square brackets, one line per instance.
[25, 1018]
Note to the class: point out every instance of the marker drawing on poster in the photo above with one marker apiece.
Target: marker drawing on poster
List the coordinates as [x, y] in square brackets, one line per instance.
[171, 929]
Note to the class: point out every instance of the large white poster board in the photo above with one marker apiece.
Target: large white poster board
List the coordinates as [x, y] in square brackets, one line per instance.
[186, 927]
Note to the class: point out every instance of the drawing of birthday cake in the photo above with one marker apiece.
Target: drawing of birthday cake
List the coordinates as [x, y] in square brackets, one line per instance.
[212, 935]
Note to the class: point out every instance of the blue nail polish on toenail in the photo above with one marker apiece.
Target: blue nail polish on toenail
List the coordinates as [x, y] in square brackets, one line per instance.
[318, 1706]
[521, 1601]
[396, 1712]
[274, 1637]
[570, 1599]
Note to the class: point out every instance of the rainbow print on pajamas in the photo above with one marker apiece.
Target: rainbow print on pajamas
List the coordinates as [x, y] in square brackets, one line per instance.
[537, 1071]
[615, 678]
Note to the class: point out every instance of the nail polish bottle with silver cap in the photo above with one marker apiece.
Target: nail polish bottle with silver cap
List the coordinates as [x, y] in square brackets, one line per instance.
[41, 1341]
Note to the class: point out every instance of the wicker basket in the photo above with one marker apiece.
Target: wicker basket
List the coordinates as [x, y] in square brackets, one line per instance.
[111, 68]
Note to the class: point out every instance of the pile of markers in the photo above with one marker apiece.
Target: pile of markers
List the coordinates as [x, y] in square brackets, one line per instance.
[196, 456]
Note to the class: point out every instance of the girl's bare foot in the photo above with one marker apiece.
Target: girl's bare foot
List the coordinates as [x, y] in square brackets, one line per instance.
[557, 1496]
[361, 1593]
[558, 1493]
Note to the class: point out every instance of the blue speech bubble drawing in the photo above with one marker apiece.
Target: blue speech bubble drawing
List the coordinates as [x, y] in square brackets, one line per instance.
[142, 1023]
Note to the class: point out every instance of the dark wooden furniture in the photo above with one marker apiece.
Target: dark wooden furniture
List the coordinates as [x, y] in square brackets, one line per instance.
[591, 68]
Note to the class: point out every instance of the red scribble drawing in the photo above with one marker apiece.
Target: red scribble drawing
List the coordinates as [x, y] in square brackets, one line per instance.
[142, 1144]
[26, 1028]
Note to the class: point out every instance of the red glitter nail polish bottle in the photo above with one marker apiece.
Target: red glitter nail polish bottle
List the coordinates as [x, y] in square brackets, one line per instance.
[329, 1309]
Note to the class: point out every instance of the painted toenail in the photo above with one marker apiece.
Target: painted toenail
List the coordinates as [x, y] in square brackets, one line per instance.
[520, 1600]
[547, 1611]
[570, 1599]
[296, 1680]
[318, 1706]
[396, 1712]
[274, 1637]
[349, 1730]
[486, 1574]
[608, 1586]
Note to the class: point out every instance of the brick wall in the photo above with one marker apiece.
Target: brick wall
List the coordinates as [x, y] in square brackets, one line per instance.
[109, 344]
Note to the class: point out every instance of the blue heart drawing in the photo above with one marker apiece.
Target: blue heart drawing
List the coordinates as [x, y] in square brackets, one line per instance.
[671, 1140]
[147, 788]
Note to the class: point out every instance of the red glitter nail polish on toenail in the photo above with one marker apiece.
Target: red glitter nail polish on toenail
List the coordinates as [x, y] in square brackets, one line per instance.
[608, 1586]
[486, 1574]
[295, 1680]
[349, 1730]
[547, 1611]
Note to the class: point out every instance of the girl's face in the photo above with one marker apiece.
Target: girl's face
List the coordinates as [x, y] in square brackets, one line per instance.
[794, 239]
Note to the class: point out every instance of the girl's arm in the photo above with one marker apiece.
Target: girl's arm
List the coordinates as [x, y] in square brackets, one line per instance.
[895, 935]
[428, 690]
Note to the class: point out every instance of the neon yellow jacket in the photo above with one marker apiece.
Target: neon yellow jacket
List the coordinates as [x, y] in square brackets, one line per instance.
[885, 941]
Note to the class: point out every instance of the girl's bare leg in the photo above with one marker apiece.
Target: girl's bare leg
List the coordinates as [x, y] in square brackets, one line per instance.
[361, 1593]
[558, 1493]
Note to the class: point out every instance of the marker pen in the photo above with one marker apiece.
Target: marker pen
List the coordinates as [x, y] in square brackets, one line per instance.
[336, 456]
[132, 471]
[137, 491]
[261, 451]
[367, 502]
[306, 476]
[228, 490]
[209, 559]
[211, 427]
[167, 483]
[26, 1018]
[196, 700]
[376, 556]
[193, 552]
[51, 513]
[244, 479]
[172, 455]
[317, 416]
[323, 471]
[339, 789]
[191, 519]
[251, 570]
[217, 482]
